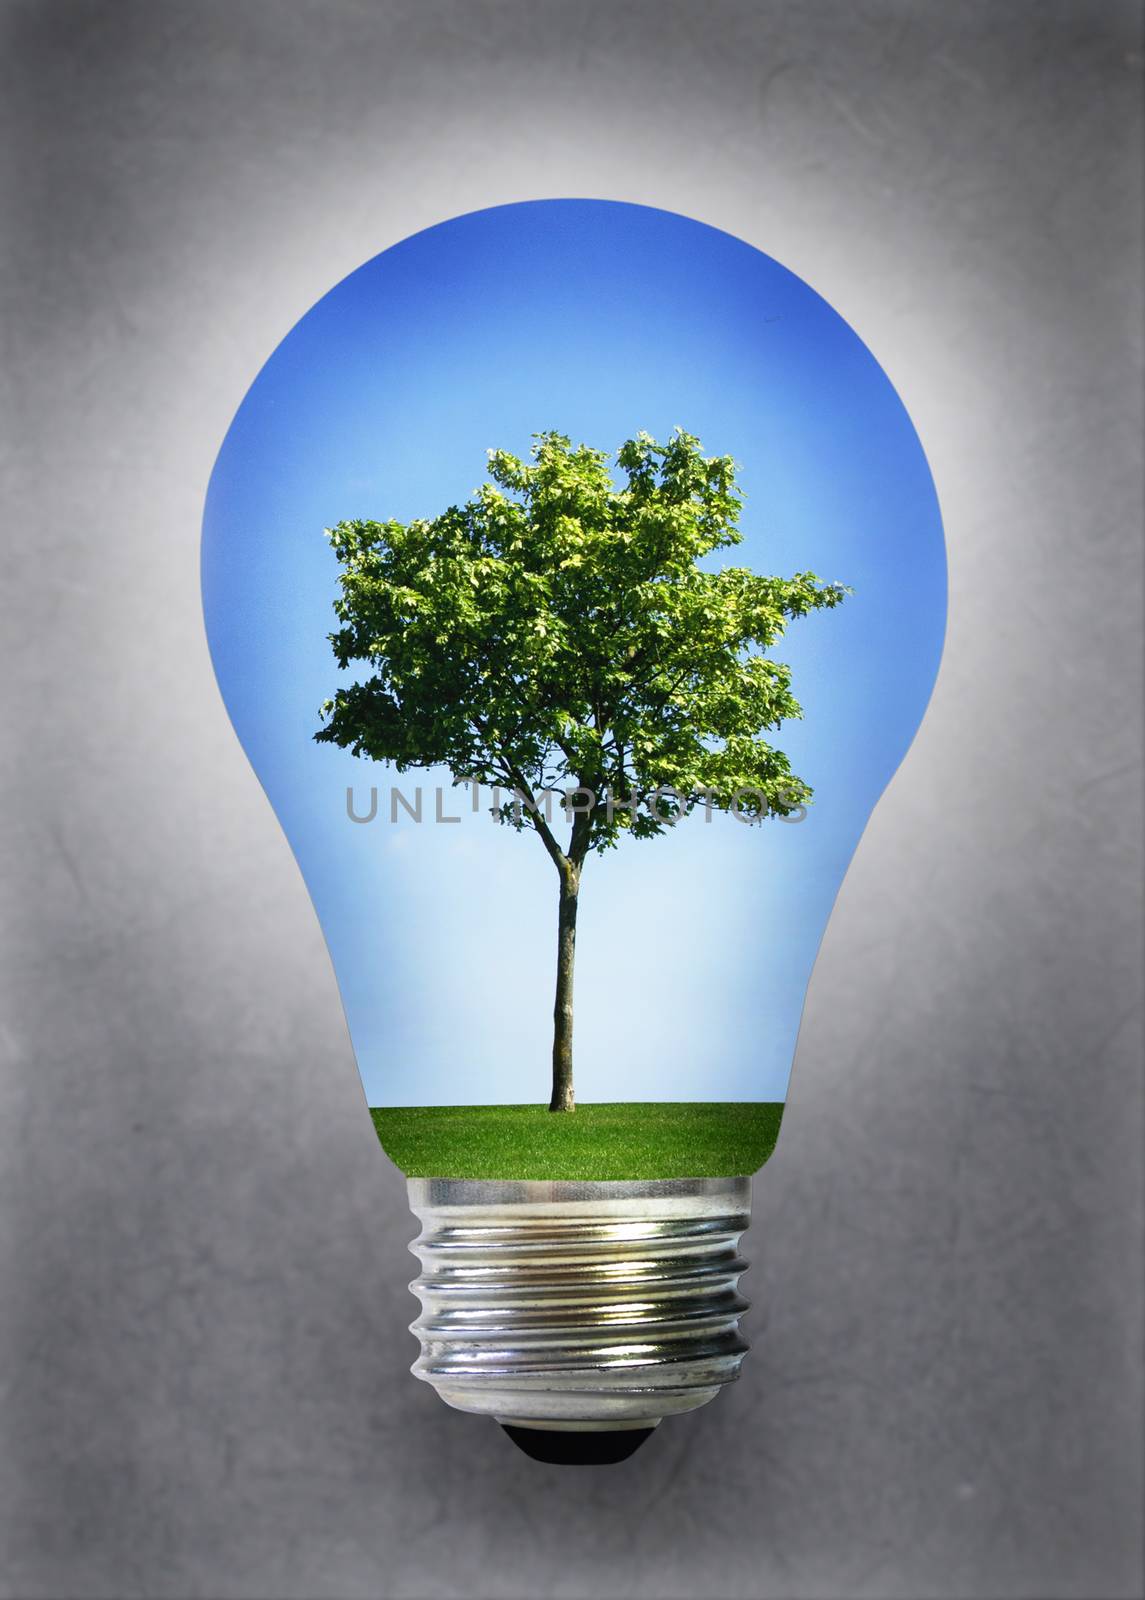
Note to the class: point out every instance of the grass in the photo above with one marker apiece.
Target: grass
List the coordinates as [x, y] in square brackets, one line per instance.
[670, 1139]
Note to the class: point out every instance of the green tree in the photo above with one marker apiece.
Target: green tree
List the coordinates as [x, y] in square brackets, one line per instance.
[558, 635]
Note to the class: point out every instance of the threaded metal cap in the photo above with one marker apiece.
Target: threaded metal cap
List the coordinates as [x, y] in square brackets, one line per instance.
[578, 1305]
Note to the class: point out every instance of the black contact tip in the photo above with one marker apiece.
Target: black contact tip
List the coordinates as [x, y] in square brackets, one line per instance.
[569, 1448]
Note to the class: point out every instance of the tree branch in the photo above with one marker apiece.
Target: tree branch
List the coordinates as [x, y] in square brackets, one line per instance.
[548, 838]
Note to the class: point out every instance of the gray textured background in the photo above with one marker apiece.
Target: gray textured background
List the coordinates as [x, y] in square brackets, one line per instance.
[203, 1385]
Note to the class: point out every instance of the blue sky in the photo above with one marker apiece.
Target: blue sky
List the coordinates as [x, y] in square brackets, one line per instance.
[596, 319]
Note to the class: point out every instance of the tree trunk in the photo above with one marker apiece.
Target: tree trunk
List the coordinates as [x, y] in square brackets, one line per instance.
[562, 1099]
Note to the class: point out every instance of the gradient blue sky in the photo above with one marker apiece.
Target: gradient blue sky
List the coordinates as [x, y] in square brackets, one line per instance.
[597, 319]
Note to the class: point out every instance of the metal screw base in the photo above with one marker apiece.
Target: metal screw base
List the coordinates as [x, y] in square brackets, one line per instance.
[579, 1306]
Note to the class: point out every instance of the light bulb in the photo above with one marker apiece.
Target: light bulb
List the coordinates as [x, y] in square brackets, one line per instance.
[546, 618]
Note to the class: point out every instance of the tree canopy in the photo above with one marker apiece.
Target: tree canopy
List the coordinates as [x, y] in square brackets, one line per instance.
[562, 630]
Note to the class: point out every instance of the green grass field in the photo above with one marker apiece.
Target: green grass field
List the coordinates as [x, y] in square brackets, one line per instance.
[673, 1139]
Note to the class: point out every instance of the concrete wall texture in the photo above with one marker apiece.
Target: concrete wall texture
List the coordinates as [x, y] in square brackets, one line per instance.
[203, 1264]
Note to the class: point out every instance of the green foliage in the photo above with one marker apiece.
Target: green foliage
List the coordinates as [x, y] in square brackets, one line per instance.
[604, 1142]
[556, 631]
